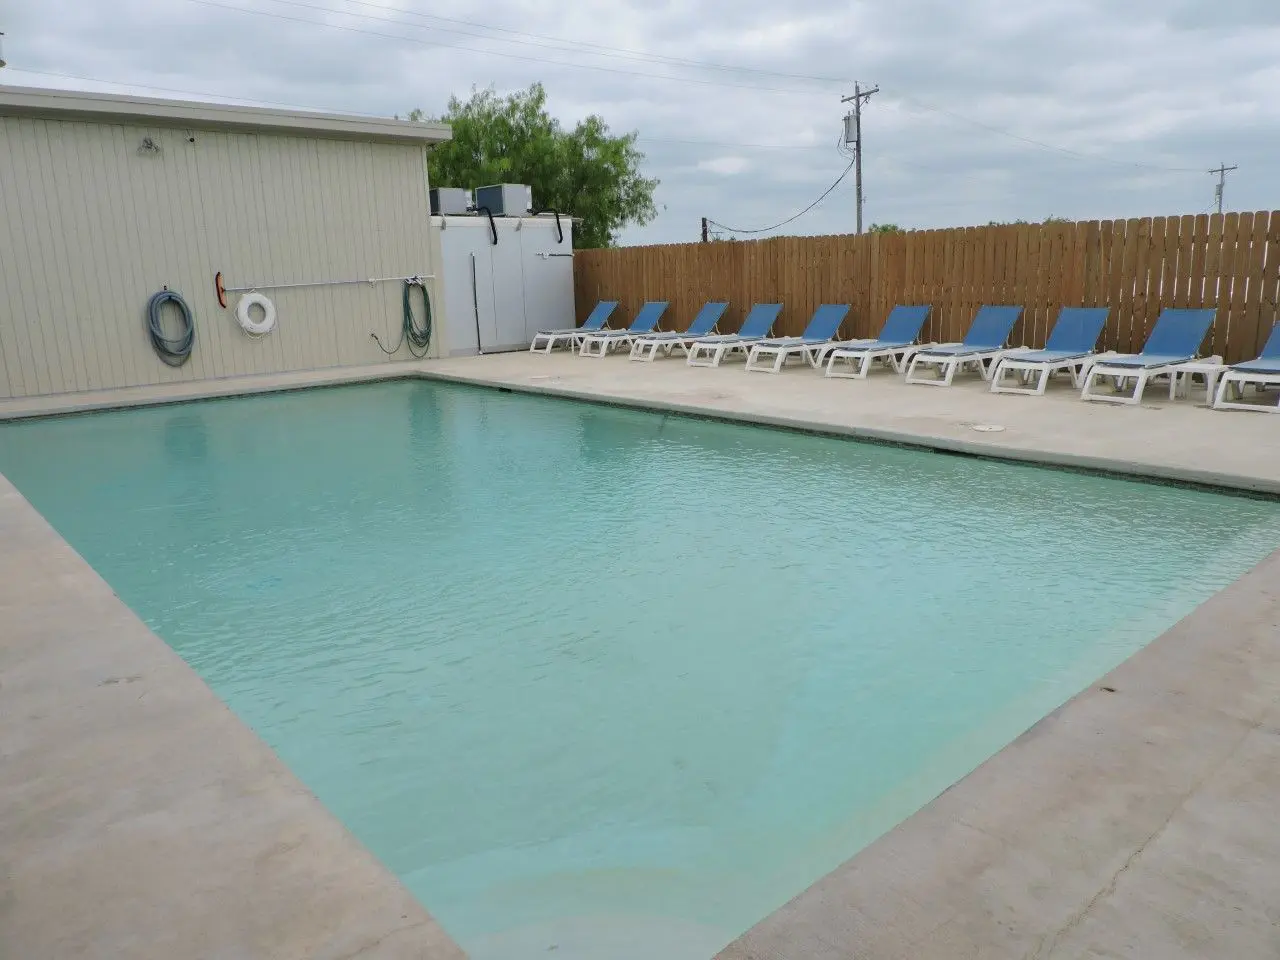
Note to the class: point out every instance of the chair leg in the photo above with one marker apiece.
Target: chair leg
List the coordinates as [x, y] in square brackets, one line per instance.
[1043, 382]
[997, 375]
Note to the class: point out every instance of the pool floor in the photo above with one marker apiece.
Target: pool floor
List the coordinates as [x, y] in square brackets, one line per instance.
[606, 682]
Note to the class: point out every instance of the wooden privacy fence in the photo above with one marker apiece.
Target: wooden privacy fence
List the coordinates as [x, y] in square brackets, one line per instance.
[1136, 267]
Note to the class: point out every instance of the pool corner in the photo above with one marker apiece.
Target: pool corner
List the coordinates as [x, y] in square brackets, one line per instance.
[141, 818]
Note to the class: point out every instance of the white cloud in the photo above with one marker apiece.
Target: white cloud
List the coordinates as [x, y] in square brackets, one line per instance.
[1112, 84]
[725, 166]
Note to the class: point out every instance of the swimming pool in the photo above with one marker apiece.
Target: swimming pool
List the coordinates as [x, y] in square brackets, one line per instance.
[608, 681]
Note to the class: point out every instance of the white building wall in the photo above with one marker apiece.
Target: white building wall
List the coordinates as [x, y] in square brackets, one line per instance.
[91, 224]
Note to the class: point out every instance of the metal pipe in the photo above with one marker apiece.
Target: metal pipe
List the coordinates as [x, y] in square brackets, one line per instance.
[475, 305]
[326, 283]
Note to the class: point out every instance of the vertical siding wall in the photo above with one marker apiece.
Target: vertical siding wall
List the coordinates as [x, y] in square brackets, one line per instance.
[91, 225]
[1136, 267]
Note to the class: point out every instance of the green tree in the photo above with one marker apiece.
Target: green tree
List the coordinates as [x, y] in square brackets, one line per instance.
[884, 228]
[585, 172]
[1017, 223]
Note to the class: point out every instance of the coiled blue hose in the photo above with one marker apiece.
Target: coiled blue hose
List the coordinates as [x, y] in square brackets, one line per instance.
[175, 351]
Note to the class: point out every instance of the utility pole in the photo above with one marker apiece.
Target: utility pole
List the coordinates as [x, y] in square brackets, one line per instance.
[704, 229]
[1221, 170]
[859, 96]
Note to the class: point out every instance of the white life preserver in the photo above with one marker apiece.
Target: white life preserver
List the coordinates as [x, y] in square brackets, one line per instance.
[256, 328]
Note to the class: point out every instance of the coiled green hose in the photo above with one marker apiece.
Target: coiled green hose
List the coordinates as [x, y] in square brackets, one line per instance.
[175, 351]
[418, 337]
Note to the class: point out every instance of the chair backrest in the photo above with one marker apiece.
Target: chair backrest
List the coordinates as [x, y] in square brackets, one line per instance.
[648, 316]
[760, 320]
[1179, 332]
[904, 324]
[1077, 329]
[826, 321]
[1271, 349]
[707, 318]
[599, 315]
[991, 327]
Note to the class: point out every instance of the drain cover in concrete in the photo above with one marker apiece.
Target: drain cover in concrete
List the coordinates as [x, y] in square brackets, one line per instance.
[988, 427]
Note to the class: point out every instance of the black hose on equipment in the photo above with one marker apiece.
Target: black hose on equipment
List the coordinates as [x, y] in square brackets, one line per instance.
[175, 351]
[416, 336]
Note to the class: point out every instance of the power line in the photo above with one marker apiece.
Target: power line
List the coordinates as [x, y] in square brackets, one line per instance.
[199, 93]
[357, 113]
[711, 143]
[825, 193]
[743, 146]
[557, 43]
[496, 53]
[1040, 143]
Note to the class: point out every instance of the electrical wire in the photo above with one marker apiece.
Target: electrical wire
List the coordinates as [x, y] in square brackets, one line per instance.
[1040, 143]
[743, 146]
[710, 143]
[825, 193]
[555, 43]
[218, 97]
[497, 53]
[356, 113]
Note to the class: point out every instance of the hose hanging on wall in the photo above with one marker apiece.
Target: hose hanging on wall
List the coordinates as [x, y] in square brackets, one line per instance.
[174, 351]
[417, 337]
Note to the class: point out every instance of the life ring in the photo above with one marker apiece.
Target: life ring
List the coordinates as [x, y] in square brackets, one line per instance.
[256, 328]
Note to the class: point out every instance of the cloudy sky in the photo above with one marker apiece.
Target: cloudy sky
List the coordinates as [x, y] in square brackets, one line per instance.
[987, 110]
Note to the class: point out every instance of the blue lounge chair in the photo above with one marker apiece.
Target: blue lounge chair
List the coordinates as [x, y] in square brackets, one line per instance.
[600, 342]
[896, 343]
[595, 321]
[821, 331]
[646, 347]
[709, 351]
[982, 346]
[1261, 372]
[1174, 342]
[1070, 347]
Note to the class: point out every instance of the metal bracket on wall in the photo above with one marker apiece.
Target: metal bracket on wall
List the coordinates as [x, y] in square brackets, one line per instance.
[543, 256]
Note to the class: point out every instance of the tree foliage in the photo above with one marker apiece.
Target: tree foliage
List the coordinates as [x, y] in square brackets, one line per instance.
[884, 228]
[585, 172]
[1022, 223]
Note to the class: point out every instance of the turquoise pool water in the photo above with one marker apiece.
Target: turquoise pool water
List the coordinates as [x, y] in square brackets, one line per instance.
[609, 682]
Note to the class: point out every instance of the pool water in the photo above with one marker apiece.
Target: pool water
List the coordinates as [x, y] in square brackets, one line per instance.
[600, 683]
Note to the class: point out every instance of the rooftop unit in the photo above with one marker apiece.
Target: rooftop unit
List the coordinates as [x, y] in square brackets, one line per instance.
[506, 199]
[450, 201]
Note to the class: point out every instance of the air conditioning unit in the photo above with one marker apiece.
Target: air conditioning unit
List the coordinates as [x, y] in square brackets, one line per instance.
[506, 199]
[450, 201]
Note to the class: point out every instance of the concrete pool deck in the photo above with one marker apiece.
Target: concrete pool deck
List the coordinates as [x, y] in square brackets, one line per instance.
[138, 816]
[1135, 821]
